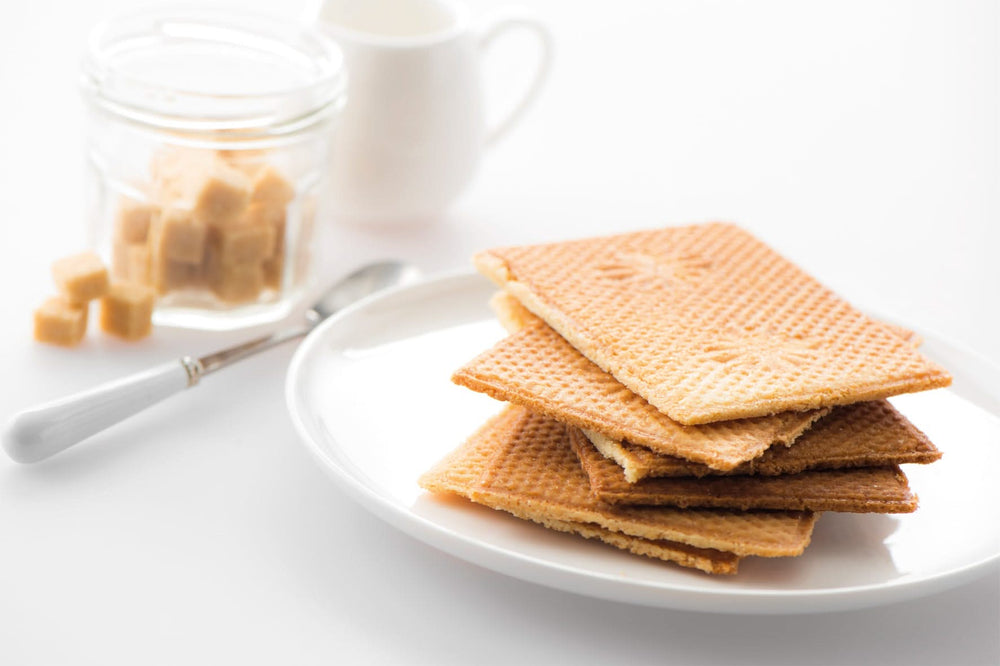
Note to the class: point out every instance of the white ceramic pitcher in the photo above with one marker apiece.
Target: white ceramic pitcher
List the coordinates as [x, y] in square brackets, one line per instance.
[413, 130]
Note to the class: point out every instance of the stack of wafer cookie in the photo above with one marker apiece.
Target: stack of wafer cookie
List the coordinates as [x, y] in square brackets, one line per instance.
[686, 394]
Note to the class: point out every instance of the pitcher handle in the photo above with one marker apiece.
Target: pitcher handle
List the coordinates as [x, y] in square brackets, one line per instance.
[494, 28]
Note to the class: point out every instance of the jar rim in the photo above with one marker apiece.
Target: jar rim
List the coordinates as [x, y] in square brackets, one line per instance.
[212, 70]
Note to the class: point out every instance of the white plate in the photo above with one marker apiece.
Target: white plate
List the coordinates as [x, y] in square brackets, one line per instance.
[370, 395]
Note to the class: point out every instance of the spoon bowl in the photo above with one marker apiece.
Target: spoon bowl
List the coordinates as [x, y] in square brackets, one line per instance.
[367, 280]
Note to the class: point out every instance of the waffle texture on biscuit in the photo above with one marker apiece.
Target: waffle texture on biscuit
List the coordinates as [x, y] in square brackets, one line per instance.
[707, 323]
[866, 434]
[522, 463]
[538, 369]
[858, 490]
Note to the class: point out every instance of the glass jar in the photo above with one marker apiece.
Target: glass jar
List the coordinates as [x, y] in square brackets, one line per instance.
[207, 146]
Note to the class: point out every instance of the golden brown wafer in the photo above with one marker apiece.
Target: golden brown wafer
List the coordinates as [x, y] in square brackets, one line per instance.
[885, 436]
[911, 337]
[510, 313]
[513, 316]
[858, 490]
[522, 463]
[456, 474]
[708, 323]
[538, 369]
[866, 434]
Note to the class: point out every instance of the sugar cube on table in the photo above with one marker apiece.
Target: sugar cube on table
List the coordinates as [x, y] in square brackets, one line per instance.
[127, 310]
[81, 277]
[59, 321]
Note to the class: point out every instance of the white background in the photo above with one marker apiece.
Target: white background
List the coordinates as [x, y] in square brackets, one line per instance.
[859, 138]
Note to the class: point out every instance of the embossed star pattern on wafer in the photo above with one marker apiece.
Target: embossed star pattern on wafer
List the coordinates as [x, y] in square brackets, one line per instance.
[649, 271]
[663, 343]
[767, 350]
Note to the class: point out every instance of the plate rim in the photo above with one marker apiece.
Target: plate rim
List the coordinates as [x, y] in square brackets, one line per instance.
[610, 587]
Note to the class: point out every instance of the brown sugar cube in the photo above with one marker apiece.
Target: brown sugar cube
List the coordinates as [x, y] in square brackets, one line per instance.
[177, 173]
[178, 275]
[81, 277]
[130, 262]
[119, 260]
[270, 187]
[168, 275]
[60, 322]
[233, 283]
[264, 214]
[132, 220]
[127, 311]
[139, 264]
[246, 243]
[279, 239]
[274, 269]
[240, 283]
[222, 197]
[247, 161]
[179, 237]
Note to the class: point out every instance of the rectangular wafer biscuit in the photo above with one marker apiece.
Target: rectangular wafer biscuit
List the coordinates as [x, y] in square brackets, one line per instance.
[456, 474]
[538, 369]
[708, 323]
[522, 462]
[866, 434]
[513, 316]
[862, 435]
[857, 490]
[510, 313]
[912, 338]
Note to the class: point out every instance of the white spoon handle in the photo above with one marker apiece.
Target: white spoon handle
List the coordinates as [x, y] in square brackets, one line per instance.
[36, 434]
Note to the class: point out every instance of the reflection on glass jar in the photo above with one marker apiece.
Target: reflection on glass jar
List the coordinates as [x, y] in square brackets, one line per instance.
[206, 154]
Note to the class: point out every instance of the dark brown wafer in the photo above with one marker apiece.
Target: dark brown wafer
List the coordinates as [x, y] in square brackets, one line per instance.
[860, 490]
[866, 434]
[522, 463]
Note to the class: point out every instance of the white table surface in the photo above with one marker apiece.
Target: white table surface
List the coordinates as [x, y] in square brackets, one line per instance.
[859, 138]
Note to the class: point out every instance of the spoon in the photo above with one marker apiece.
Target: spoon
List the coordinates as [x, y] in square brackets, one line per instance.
[38, 433]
